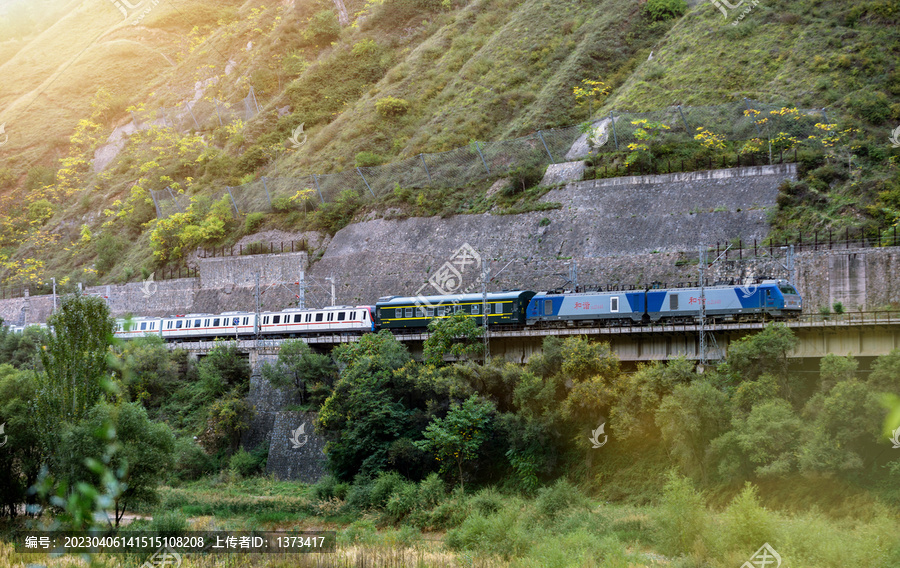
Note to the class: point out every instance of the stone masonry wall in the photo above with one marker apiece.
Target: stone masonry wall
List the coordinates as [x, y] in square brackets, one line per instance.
[618, 230]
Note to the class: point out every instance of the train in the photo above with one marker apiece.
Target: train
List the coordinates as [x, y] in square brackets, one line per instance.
[515, 309]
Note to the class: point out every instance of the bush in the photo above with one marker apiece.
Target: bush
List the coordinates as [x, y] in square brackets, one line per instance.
[746, 524]
[368, 160]
[872, 106]
[385, 485]
[191, 462]
[360, 532]
[245, 463]
[559, 497]
[323, 28]
[681, 517]
[253, 222]
[169, 523]
[432, 490]
[403, 501]
[359, 495]
[661, 10]
[390, 107]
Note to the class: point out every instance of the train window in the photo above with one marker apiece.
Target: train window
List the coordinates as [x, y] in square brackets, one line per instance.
[498, 308]
[265, 320]
[319, 316]
[246, 321]
[430, 312]
[235, 321]
[476, 309]
[143, 325]
[614, 304]
[215, 322]
[196, 323]
[342, 316]
[298, 318]
[352, 316]
[169, 326]
[409, 312]
[187, 323]
[548, 307]
[673, 301]
[308, 318]
[276, 319]
[787, 289]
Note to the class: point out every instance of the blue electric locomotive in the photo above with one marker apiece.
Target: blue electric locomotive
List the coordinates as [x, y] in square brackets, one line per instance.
[771, 298]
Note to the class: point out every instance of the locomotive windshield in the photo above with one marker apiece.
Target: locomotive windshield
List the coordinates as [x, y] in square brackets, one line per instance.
[787, 289]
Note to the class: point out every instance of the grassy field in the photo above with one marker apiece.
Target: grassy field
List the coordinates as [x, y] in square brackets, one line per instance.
[559, 527]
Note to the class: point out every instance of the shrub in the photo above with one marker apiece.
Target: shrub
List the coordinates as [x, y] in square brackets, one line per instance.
[359, 495]
[246, 463]
[681, 516]
[253, 222]
[403, 501]
[390, 107]
[368, 160]
[559, 497]
[432, 490]
[661, 10]
[360, 532]
[746, 524]
[872, 106]
[544, 222]
[385, 485]
[169, 523]
[323, 28]
[191, 462]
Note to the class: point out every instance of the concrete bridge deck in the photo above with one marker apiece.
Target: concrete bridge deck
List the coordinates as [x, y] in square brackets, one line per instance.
[862, 334]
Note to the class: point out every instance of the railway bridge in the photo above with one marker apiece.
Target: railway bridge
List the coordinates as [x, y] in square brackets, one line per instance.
[865, 335]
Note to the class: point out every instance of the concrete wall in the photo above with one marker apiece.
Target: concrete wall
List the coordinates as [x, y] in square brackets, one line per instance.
[240, 271]
[605, 225]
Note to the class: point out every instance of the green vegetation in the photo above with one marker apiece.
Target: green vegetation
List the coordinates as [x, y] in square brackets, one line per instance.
[497, 457]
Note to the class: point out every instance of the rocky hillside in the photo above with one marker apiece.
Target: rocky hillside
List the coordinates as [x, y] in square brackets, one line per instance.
[95, 109]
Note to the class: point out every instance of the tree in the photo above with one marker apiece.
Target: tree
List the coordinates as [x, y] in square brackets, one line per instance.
[458, 437]
[885, 373]
[457, 336]
[366, 412]
[309, 374]
[143, 452]
[75, 364]
[223, 370]
[689, 419]
[846, 428]
[761, 353]
[20, 459]
[834, 369]
[639, 394]
[150, 371]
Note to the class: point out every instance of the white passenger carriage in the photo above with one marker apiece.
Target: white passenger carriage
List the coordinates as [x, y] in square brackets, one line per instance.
[137, 327]
[336, 319]
[228, 324]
